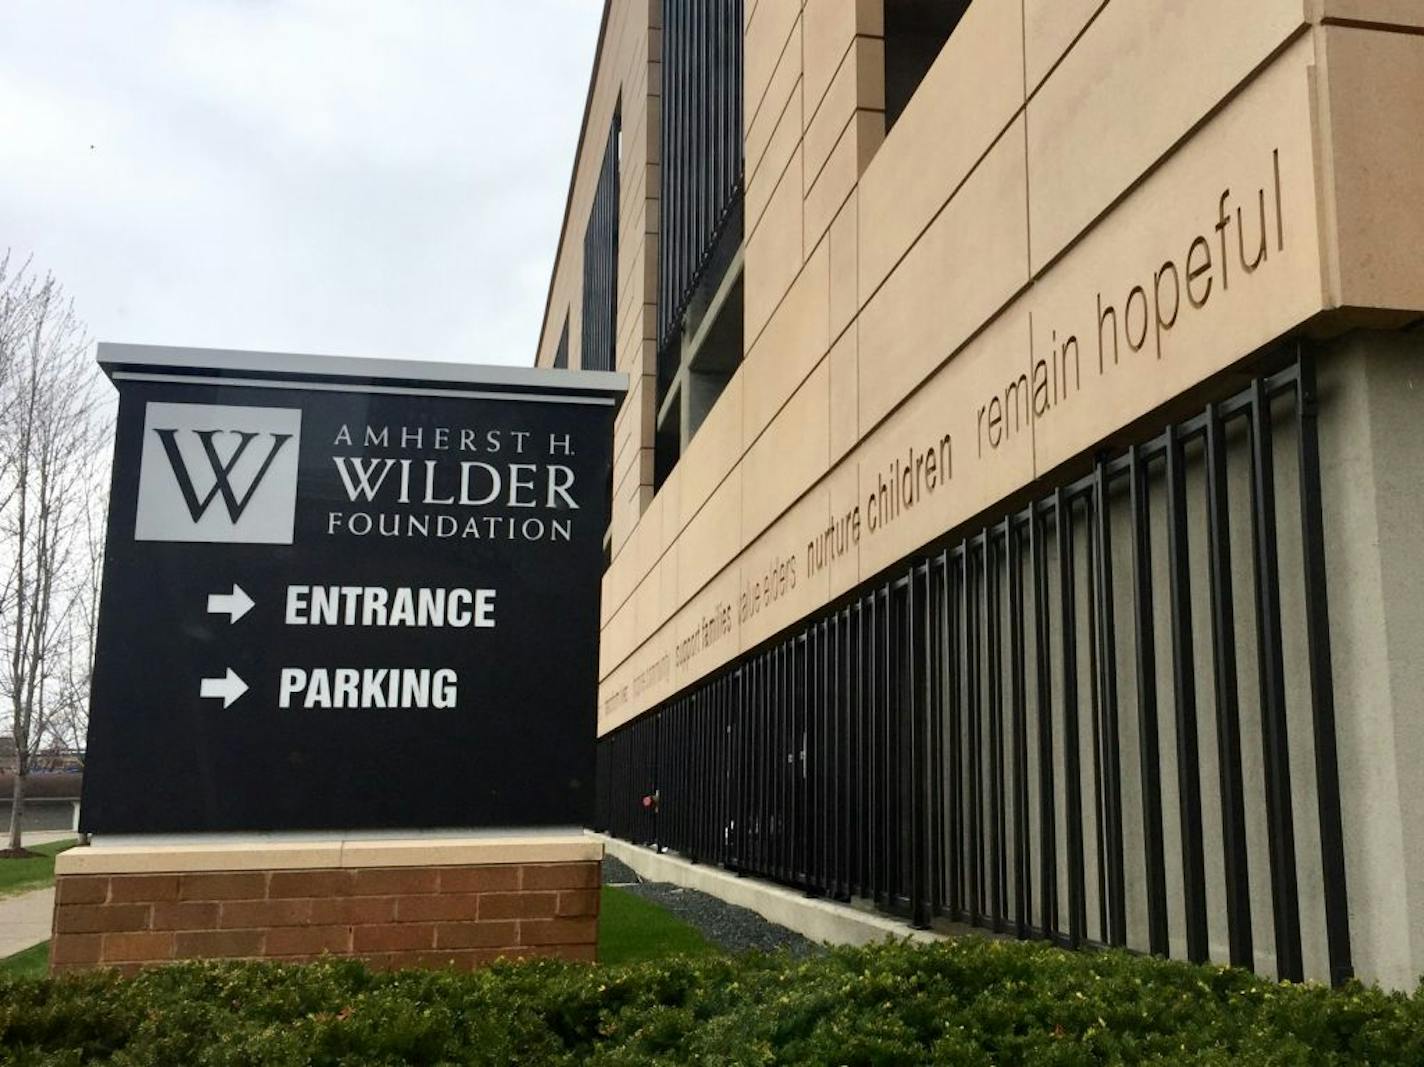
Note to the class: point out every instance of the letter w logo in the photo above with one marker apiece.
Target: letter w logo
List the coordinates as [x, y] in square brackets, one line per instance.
[222, 470]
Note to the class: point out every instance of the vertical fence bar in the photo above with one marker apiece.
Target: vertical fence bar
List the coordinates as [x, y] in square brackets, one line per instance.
[938, 608]
[918, 653]
[1072, 777]
[1185, 703]
[1023, 897]
[1149, 748]
[1280, 818]
[1322, 684]
[958, 607]
[974, 739]
[1043, 693]
[1228, 716]
[995, 685]
[1107, 672]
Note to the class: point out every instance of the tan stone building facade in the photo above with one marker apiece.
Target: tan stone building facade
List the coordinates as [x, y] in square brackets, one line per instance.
[1015, 507]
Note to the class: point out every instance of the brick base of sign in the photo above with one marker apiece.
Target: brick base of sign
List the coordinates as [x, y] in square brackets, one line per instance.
[460, 916]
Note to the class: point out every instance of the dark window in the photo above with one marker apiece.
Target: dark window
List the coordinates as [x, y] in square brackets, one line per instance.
[915, 31]
[600, 261]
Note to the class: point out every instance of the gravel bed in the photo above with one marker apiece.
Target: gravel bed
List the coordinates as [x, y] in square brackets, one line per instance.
[726, 925]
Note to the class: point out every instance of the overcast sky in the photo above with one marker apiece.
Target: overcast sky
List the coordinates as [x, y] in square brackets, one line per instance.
[362, 177]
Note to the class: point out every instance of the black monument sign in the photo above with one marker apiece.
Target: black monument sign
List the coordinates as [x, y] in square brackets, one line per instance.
[344, 594]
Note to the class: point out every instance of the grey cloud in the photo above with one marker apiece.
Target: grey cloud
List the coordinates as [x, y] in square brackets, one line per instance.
[370, 178]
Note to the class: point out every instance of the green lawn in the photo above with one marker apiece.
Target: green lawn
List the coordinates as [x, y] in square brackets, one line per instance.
[33, 962]
[631, 930]
[36, 872]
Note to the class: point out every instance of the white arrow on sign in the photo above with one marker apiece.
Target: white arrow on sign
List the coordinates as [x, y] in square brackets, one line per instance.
[235, 604]
[229, 687]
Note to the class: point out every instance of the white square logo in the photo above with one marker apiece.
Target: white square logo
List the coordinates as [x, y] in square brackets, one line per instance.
[212, 472]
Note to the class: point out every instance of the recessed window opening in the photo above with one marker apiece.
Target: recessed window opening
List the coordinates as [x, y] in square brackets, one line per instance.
[915, 32]
[561, 354]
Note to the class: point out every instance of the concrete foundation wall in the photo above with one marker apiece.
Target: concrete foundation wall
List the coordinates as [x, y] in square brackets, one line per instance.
[1372, 451]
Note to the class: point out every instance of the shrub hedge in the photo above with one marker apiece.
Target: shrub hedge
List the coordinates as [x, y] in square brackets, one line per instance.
[967, 1002]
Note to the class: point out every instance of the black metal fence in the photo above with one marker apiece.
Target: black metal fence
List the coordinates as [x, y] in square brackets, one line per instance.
[701, 175]
[1091, 721]
[600, 262]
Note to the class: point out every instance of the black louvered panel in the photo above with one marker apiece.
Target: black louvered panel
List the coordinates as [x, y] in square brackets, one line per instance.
[600, 262]
[701, 182]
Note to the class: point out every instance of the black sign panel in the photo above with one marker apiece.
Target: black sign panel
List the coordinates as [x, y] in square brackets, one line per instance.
[339, 607]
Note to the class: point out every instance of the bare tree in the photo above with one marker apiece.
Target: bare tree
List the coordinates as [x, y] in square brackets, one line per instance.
[67, 722]
[48, 444]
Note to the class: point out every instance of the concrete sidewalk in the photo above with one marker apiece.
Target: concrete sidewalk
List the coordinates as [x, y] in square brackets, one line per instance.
[25, 920]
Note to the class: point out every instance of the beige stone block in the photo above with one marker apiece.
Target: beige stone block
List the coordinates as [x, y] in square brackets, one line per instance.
[870, 17]
[859, 86]
[632, 469]
[774, 252]
[1125, 94]
[967, 266]
[425, 851]
[616, 640]
[968, 96]
[1380, 12]
[844, 250]
[669, 498]
[613, 697]
[829, 191]
[714, 450]
[647, 603]
[776, 590]
[906, 500]
[869, 56]
[825, 127]
[623, 514]
[1169, 269]
[645, 678]
[706, 634]
[789, 456]
[768, 37]
[830, 27]
[762, 183]
[1050, 27]
[230, 856]
[845, 399]
[711, 539]
[836, 547]
[670, 596]
[1376, 93]
[869, 136]
[648, 538]
[792, 343]
[778, 104]
[618, 581]
[624, 573]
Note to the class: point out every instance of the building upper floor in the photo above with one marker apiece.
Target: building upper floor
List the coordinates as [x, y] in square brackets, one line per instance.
[840, 243]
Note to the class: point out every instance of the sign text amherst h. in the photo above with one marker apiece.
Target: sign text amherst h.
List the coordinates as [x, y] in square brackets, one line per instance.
[342, 594]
